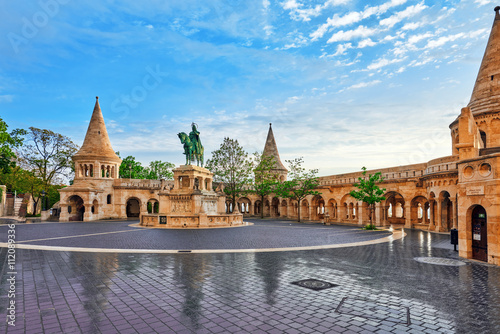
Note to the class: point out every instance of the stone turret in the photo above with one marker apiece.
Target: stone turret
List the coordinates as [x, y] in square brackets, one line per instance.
[271, 150]
[486, 93]
[96, 158]
[485, 99]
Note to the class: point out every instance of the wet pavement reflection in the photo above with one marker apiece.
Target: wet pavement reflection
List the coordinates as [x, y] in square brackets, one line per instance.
[72, 292]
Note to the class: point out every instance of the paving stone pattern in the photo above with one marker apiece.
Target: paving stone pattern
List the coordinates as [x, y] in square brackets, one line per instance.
[75, 292]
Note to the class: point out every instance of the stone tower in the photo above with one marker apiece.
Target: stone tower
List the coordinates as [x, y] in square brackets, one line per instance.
[96, 158]
[271, 150]
[485, 99]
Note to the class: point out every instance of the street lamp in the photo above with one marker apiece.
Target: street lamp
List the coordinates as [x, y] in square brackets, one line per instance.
[43, 193]
[130, 171]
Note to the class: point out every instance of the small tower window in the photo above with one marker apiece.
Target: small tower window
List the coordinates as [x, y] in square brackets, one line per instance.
[483, 138]
[492, 77]
[109, 199]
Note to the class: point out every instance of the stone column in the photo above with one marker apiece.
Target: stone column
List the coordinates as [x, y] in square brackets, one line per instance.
[432, 223]
[439, 216]
[378, 212]
[407, 215]
[454, 213]
[87, 215]
[64, 215]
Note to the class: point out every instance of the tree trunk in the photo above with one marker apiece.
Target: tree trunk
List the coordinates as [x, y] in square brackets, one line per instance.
[371, 213]
[298, 211]
[262, 206]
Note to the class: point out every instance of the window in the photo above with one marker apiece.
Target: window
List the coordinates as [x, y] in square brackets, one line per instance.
[108, 200]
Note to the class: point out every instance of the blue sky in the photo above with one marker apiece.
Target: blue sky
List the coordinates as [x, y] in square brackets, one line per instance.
[345, 83]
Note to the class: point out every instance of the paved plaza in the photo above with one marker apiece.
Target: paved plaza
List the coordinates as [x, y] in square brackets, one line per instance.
[267, 277]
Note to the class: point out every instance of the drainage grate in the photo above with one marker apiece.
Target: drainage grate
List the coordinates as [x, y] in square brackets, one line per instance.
[442, 261]
[369, 309]
[314, 284]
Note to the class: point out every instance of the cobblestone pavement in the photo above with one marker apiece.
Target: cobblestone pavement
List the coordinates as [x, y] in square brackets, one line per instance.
[378, 288]
[119, 235]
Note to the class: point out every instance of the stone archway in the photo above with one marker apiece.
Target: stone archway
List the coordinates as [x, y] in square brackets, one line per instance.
[133, 207]
[318, 208]
[394, 205]
[76, 208]
[244, 205]
[275, 207]
[419, 214]
[446, 213]
[257, 208]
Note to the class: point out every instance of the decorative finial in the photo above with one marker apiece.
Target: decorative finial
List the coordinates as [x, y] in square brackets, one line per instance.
[270, 124]
[97, 97]
[497, 8]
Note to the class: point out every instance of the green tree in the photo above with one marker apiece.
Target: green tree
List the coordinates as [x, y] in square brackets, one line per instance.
[9, 141]
[157, 170]
[231, 166]
[369, 192]
[48, 155]
[131, 169]
[265, 180]
[301, 183]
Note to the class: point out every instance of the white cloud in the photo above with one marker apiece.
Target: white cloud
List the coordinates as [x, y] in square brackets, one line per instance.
[353, 17]
[297, 40]
[398, 17]
[483, 2]
[360, 31]
[382, 63]
[299, 13]
[342, 48]
[365, 43]
[412, 26]
[450, 38]
[417, 38]
[365, 84]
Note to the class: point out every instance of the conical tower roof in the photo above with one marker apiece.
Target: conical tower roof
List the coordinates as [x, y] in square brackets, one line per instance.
[271, 149]
[486, 94]
[96, 145]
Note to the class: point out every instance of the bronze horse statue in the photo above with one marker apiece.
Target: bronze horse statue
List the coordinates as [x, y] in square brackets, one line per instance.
[191, 150]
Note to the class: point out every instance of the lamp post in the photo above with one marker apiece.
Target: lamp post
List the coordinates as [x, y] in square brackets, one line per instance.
[130, 171]
[43, 193]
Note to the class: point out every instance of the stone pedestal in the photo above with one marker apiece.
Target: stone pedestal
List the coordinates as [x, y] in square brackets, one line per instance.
[192, 203]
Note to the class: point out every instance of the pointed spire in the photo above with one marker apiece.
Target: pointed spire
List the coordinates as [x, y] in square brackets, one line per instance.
[271, 149]
[96, 144]
[486, 93]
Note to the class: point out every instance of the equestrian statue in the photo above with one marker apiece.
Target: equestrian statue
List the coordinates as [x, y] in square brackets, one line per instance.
[192, 146]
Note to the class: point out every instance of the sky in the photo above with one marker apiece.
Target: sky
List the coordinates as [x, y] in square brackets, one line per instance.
[345, 83]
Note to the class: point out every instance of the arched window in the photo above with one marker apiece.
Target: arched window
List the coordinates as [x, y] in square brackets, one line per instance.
[483, 138]
[108, 199]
